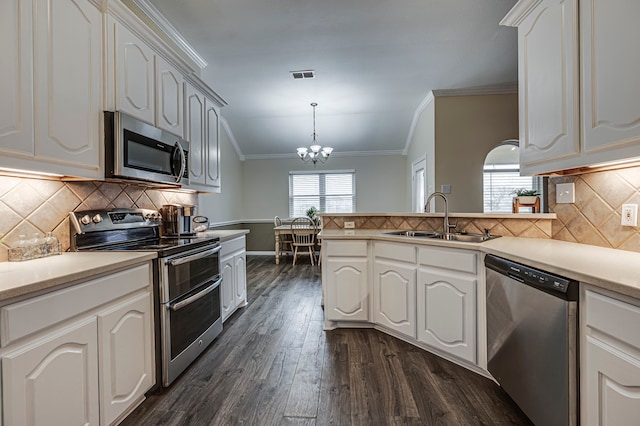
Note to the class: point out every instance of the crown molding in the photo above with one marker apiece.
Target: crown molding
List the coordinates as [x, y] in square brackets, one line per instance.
[500, 89]
[519, 12]
[334, 154]
[205, 89]
[127, 17]
[171, 32]
[414, 122]
[232, 138]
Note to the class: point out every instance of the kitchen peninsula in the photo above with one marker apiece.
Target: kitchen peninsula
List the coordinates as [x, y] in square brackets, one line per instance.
[431, 292]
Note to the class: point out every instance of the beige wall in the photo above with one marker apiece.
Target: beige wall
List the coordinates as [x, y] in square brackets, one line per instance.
[380, 184]
[466, 129]
[422, 143]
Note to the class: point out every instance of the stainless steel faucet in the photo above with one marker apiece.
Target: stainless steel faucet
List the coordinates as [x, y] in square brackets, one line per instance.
[446, 226]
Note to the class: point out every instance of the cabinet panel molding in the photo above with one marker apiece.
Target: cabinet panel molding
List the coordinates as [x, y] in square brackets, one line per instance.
[53, 381]
[610, 67]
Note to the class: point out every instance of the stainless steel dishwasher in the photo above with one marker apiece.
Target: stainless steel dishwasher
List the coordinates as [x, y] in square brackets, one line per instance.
[532, 341]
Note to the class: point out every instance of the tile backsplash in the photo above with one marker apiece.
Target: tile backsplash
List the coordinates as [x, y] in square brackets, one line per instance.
[34, 205]
[595, 216]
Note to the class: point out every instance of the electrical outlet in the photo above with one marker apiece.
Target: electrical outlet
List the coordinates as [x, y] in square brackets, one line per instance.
[445, 189]
[629, 215]
[349, 225]
[565, 193]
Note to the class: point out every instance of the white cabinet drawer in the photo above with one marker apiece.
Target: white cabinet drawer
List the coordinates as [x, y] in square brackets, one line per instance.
[613, 317]
[24, 318]
[400, 252]
[454, 259]
[231, 246]
[345, 248]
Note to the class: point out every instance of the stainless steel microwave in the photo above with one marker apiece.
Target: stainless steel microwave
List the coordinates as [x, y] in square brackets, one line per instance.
[137, 150]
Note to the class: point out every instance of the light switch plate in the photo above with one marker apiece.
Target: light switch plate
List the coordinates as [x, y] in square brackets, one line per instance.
[565, 193]
[629, 215]
[445, 189]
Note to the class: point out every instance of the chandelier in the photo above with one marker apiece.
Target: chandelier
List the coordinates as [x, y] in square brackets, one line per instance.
[315, 152]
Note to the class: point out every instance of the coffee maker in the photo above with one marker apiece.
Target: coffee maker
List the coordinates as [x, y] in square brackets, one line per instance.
[177, 219]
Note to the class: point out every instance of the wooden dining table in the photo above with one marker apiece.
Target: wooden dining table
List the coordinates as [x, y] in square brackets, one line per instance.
[286, 230]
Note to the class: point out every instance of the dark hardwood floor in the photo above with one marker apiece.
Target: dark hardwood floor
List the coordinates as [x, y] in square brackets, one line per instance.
[275, 365]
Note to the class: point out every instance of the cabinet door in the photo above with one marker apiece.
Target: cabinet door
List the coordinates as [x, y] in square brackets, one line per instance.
[347, 291]
[169, 86]
[240, 269]
[212, 145]
[394, 296]
[612, 392]
[610, 61]
[53, 381]
[227, 291]
[447, 312]
[126, 355]
[68, 83]
[16, 102]
[135, 92]
[194, 132]
[548, 84]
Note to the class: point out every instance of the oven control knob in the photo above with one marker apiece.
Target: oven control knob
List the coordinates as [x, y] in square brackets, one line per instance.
[97, 219]
[85, 220]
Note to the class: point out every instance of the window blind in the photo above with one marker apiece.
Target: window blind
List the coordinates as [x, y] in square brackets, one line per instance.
[329, 192]
[500, 181]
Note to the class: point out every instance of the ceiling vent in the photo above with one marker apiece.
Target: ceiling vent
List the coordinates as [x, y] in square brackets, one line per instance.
[297, 75]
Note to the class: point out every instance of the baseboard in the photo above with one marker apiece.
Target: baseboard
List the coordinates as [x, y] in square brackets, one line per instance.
[261, 253]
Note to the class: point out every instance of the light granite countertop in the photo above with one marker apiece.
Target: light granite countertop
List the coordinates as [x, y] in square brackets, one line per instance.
[611, 269]
[37, 276]
[223, 234]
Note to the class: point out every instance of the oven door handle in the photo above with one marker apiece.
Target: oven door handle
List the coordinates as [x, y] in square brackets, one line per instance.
[193, 257]
[181, 304]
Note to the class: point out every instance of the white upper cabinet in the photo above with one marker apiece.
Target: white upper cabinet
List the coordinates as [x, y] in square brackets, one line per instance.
[201, 130]
[51, 122]
[135, 89]
[194, 132]
[548, 90]
[610, 61]
[169, 97]
[578, 66]
[16, 102]
[212, 144]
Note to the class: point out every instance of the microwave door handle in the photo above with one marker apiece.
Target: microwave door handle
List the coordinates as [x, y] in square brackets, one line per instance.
[183, 161]
[176, 306]
[193, 257]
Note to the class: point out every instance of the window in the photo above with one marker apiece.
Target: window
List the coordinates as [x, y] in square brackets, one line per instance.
[329, 192]
[502, 177]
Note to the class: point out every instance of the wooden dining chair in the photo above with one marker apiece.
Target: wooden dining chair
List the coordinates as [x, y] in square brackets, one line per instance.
[285, 240]
[303, 231]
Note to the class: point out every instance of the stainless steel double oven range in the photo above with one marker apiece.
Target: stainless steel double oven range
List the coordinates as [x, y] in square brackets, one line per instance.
[186, 280]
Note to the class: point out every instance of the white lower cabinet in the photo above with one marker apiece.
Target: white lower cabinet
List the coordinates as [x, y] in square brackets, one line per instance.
[428, 294]
[394, 287]
[345, 282]
[53, 380]
[127, 363]
[80, 355]
[446, 304]
[233, 267]
[447, 313]
[610, 359]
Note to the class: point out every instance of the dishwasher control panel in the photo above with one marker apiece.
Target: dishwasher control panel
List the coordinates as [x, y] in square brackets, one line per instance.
[547, 281]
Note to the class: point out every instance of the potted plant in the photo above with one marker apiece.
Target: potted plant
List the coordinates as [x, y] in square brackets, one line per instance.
[311, 213]
[526, 196]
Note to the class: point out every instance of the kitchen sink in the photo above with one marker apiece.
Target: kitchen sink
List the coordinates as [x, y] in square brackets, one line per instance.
[422, 234]
[461, 236]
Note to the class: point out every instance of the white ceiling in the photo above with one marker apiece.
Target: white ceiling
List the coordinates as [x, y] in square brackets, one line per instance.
[375, 61]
